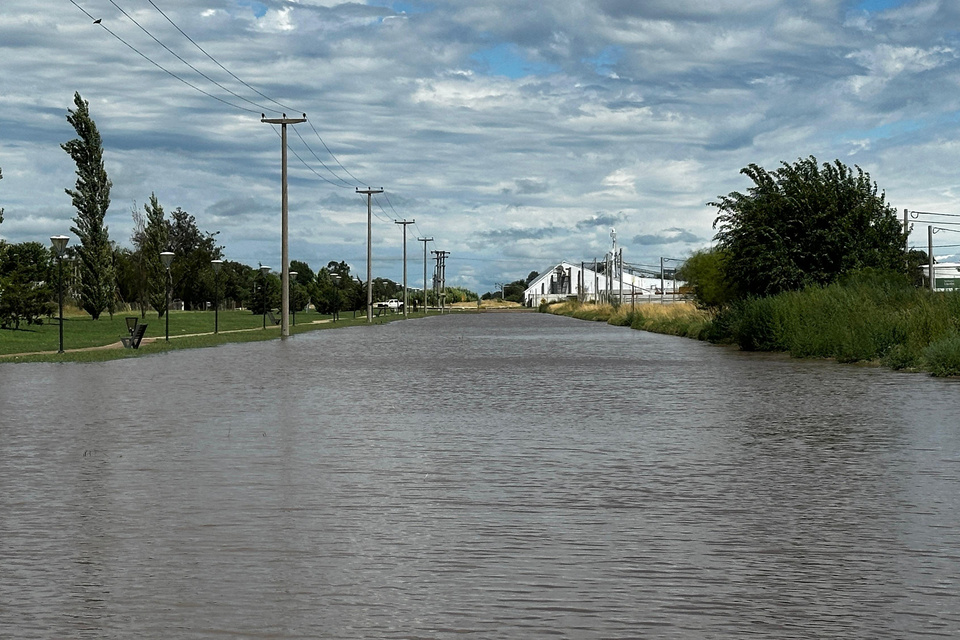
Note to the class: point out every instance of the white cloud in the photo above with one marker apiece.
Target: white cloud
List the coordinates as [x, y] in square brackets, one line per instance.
[648, 109]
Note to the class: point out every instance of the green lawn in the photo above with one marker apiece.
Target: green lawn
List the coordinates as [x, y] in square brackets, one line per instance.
[80, 332]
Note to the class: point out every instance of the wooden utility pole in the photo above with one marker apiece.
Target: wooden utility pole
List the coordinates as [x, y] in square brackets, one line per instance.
[441, 277]
[930, 257]
[369, 193]
[424, 241]
[404, 223]
[284, 248]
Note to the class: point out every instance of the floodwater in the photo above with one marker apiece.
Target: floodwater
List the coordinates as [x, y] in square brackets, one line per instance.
[477, 476]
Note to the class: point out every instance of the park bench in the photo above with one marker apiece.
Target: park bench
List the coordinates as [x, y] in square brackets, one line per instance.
[136, 335]
[272, 319]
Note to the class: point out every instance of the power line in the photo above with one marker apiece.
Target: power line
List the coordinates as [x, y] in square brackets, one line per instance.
[915, 214]
[331, 154]
[345, 185]
[157, 64]
[304, 162]
[178, 57]
[215, 61]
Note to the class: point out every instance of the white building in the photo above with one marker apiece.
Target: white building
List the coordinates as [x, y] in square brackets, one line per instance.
[578, 280]
[946, 276]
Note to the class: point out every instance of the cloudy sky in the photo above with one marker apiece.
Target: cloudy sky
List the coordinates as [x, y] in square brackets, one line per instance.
[516, 133]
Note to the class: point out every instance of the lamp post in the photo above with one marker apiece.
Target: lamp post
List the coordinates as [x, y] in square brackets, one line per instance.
[167, 258]
[264, 270]
[216, 264]
[59, 246]
[336, 295]
[293, 304]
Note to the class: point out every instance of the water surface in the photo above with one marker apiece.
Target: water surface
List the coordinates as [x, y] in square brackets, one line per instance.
[487, 476]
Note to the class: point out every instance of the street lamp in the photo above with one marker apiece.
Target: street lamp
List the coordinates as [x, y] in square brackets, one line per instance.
[336, 296]
[293, 304]
[166, 257]
[59, 246]
[216, 264]
[263, 289]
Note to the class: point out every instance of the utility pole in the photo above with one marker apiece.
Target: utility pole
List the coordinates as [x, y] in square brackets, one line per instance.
[930, 257]
[424, 241]
[661, 280]
[284, 248]
[596, 283]
[906, 236]
[620, 271]
[369, 193]
[441, 276]
[404, 223]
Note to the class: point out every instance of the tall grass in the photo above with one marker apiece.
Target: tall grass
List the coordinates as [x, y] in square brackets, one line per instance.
[868, 317]
[679, 319]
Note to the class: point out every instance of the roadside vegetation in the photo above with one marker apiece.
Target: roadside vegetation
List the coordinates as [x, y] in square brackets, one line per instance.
[810, 261]
[188, 330]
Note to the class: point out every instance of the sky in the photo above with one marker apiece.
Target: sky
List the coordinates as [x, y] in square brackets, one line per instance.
[515, 133]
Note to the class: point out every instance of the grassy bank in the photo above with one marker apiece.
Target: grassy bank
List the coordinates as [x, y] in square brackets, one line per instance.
[678, 319]
[870, 318]
[188, 330]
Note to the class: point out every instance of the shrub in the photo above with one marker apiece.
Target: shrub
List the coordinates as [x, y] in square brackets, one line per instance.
[942, 357]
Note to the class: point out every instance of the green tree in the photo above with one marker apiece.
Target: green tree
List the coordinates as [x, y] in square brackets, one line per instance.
[25, 274]
[805, 224]
[193, 249]
[91, 198]
[151, 238]
[514, 290]
[127, 273]
[704, 272]
[265, 289]
[236, 284]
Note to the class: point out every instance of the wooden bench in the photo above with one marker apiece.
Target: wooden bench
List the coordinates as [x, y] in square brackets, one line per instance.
[133, 340]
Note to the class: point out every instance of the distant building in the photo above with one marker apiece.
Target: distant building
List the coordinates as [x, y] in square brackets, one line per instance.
[946, 276]
[578, 280]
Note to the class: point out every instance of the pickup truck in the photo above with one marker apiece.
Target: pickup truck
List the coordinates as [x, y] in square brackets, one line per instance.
[393, 304]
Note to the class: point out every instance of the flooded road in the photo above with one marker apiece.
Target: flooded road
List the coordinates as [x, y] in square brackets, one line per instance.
[482, 476]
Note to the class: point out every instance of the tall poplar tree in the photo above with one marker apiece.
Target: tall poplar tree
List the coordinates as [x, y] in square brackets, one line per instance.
[91, 198]
[154, 239]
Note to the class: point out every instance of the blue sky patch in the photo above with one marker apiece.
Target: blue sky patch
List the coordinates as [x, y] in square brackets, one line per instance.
[885, 131]
[879, 5]
[259, 9]
[507, 59]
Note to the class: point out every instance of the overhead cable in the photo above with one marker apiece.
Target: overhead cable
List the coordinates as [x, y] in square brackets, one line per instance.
[216, 62]
[158, 65]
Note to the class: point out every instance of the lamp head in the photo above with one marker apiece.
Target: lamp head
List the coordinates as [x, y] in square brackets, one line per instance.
[59, 244]
[216, 264]
[166, 257]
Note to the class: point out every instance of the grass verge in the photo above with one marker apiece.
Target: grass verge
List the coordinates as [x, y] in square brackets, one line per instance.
[86, 340]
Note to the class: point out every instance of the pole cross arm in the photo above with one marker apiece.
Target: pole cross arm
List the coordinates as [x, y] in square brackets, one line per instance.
[283, 120]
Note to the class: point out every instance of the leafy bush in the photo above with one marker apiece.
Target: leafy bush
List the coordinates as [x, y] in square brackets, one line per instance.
[942, 357]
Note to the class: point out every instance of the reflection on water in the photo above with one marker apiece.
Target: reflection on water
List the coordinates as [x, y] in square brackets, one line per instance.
[489, 476]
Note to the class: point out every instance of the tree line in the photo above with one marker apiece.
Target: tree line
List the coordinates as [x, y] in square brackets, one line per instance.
[104, 277]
